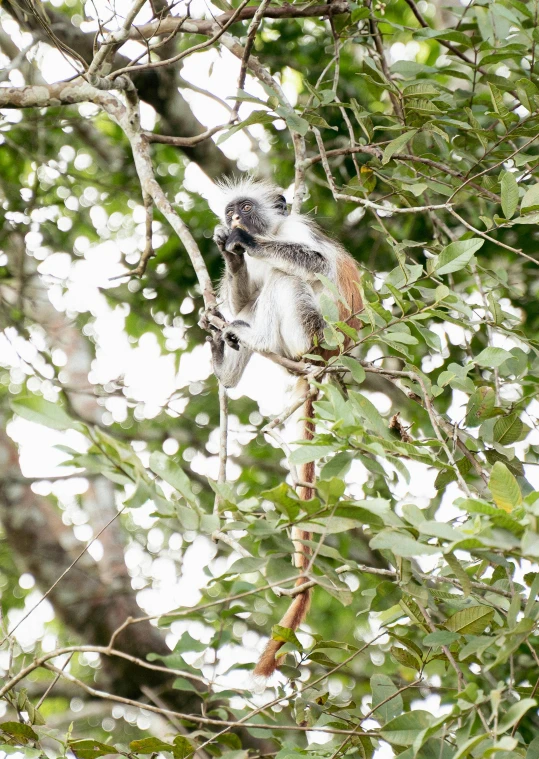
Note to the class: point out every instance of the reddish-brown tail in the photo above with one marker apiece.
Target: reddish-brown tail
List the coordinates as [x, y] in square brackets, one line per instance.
[297, 611]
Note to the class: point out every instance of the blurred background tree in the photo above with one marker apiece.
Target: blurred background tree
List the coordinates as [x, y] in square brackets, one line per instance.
[136, 588]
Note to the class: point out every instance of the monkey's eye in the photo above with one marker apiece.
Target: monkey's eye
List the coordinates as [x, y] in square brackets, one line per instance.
[247, 207]
[229, 212]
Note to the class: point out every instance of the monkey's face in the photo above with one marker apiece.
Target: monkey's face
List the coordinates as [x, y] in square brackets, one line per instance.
[251, 215]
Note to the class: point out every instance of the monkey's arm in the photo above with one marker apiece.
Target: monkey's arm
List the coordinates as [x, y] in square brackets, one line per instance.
[236, 287]
[290, 257]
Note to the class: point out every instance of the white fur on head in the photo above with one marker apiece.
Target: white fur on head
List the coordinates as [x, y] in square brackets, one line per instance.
[263, 192]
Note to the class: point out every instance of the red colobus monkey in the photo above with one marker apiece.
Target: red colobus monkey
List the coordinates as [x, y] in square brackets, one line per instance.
[270, 294]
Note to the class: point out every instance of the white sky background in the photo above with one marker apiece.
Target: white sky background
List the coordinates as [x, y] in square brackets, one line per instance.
[151, 376]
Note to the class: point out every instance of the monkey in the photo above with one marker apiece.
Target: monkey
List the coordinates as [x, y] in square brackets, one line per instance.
[271, 290]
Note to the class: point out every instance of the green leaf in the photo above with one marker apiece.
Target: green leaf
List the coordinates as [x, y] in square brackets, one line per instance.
[480, 406]
[515, 713]
[405, 658]
[440, 638]
[423, 88]
[90, 749]
[401, 544]
[358, 14]
[491, 358]
[287, 635]
[285, 498]
[172, 473]
[294, 122]
[403, 730]
[470, 621]
[398, 336]
[387, 595]
[498, 103]
[149, 745]
[256, 117]
[504, 488]
[188, 643]
[468, 745]
[37, 409]
[246, 564]
[354, 367]
[509, 429]
[383, 688]
[530, 201]
[475, 646]
[187, 517]
[509, 194]
[337, 466]
[181, 683]
[182, 748]
[244, 97]
[397, 144]
[331, 525]
[456, 255]
[368, 411]
[459, 572]
[329, 308]
[19, 730]
[307, 453]
[318, 121]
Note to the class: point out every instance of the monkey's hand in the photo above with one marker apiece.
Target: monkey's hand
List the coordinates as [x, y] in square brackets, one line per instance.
[234, 335]
[239, 241]
[234, 261]
[220, 236]
[217, 345]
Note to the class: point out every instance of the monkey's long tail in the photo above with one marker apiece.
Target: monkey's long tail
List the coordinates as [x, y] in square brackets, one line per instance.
[297, 611]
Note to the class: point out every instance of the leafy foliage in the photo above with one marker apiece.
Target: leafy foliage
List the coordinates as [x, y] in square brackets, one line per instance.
[421, 127]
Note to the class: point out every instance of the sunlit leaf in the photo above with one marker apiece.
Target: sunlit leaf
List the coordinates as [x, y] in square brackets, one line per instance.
[504, 488]
[470, 621]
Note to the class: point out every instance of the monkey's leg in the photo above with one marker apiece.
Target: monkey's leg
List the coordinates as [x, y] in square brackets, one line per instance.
[284, 321]
[228, 363]
[299, 317]
[301, 321]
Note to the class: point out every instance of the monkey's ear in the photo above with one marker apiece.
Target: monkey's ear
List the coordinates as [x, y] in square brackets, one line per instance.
[280, 204]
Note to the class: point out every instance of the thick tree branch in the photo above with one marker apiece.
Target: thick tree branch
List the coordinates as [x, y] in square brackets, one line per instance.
[207, 27]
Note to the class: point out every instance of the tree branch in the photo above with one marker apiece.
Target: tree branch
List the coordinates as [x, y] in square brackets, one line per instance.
[207, 27]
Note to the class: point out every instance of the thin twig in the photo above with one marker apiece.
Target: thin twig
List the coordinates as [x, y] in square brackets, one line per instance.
[251, 34]
[447, 652]
[152, 695]
[113, 41]
[51, 686]
[185, 142]
[219, 31]
[198, 719]
[64, 573]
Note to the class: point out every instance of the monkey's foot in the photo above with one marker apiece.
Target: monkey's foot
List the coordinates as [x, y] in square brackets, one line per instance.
[236, 334]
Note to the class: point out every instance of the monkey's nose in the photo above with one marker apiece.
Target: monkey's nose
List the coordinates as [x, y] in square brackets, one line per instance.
[235, 221]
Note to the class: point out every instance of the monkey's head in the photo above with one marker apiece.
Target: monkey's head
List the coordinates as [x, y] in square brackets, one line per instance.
[257, 207]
